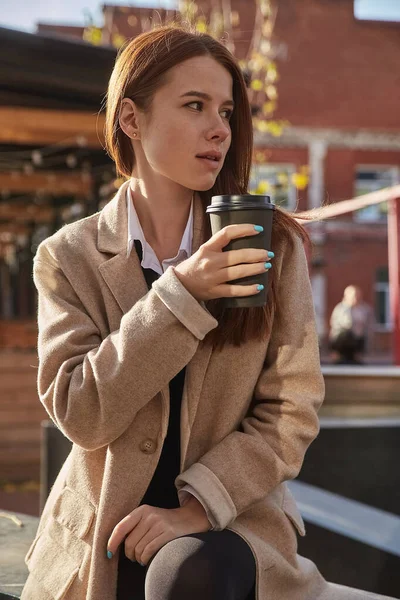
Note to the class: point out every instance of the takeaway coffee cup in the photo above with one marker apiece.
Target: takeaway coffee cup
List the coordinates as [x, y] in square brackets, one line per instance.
[245, 208]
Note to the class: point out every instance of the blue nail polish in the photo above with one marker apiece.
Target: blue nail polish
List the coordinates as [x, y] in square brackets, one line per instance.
[109, 554]
[267, 265]
[271, 255]
[260, 288]
[258, 228]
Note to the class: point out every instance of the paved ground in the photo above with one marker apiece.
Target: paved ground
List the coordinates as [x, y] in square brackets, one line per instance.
[16, 534]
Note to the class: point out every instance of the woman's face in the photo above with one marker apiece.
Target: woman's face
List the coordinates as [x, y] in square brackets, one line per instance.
[189, 117]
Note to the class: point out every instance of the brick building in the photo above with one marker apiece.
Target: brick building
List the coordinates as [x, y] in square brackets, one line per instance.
[338, 88]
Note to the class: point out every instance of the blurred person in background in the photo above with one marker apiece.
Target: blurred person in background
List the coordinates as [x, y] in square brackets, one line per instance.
[351, 327]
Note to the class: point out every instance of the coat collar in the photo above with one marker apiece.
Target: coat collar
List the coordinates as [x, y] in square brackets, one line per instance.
[113, 223]
[123, 274]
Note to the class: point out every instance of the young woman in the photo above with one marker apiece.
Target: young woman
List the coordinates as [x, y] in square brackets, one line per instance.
[186, 419]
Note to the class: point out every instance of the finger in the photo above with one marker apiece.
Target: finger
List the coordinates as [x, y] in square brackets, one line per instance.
[154, 546]
[239, 271]
[230, 291]
[122, 529]
[244, 255]
[149, 541]
[220, 239]
[135, 537]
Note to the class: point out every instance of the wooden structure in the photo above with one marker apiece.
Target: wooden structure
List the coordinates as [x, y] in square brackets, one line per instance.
[52, 158]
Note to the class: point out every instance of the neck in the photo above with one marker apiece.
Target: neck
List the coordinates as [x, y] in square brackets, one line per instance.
[163, 212]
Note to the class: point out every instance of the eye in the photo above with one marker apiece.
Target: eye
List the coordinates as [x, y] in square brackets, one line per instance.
[198, 103]
[228, 112]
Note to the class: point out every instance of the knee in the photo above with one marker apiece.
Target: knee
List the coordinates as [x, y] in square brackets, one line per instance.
[183, 569]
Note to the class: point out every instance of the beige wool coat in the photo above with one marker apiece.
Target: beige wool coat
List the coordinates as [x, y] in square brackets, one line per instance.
[108, 348]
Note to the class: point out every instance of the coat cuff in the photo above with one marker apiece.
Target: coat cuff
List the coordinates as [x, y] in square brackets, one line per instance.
[208, 489]
[183, 494]
[183, 305]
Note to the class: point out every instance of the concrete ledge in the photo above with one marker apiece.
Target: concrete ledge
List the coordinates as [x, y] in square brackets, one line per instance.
[16, 535]
[361, 370]
[350, 518]
[361, 391]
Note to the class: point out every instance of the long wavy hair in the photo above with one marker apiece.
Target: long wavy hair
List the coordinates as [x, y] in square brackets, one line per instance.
[140, 70]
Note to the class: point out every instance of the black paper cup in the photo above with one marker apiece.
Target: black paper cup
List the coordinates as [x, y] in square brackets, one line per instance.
[246, 208]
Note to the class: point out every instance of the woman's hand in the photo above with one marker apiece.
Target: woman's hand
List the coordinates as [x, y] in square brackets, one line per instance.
[147, 528]
[206, 273]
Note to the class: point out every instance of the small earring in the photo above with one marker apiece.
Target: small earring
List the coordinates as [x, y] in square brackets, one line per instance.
[135, 134]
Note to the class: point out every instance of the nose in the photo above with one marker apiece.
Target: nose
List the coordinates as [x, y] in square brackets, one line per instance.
[220, 131]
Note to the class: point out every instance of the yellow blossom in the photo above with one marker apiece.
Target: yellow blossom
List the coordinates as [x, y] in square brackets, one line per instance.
[263, 126]
[257, 85]
[269, 107]
[118, 40]
[201, 26]
[263, 187]
[94, 35]
[275, 128]
[235, 18]
[265, 47]
[272, 73]
[271, 92]
[300, 180]
[282, 178]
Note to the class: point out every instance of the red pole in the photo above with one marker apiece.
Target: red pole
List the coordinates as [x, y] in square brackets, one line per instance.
[394, 273]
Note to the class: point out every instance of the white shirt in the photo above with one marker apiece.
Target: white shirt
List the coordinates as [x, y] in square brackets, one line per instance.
[149, 259]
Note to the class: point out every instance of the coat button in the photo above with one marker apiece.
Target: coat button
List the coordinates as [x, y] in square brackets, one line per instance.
[148, 446]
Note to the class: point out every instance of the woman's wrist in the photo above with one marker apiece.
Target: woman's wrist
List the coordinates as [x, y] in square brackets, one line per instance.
[194, 511]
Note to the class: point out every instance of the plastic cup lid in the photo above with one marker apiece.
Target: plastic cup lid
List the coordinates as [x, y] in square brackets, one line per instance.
[240, 202]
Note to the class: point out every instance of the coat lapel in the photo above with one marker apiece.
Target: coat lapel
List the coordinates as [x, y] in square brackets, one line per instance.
[197, 367]
[122, 274]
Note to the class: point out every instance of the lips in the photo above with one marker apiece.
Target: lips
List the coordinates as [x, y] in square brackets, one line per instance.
[211, 155]
[210, 163]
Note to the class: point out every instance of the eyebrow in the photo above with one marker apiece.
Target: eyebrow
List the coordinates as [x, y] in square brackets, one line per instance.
[205, 96]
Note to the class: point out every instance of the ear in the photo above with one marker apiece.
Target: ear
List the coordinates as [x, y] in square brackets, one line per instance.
[128, 118]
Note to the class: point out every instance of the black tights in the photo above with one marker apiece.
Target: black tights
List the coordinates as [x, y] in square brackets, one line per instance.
[216, 565]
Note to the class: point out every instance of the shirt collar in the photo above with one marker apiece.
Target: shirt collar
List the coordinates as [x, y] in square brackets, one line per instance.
[135, 231]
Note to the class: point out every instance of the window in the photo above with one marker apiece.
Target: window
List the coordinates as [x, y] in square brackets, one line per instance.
[377, 11]
[382, 303]
[371, 178]
[276, 181]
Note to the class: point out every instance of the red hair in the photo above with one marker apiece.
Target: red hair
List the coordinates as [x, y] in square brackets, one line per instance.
[140, 70]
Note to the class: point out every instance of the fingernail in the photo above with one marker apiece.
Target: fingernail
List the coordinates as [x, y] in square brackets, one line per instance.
[267, 265]
[259, 228]
[271, 255]
[260, 287]
[109, 554]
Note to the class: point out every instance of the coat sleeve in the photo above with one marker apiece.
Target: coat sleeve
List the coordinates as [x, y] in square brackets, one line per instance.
[91, 387]
[269, 448]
